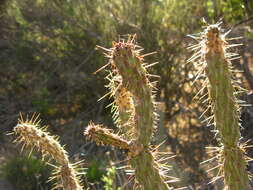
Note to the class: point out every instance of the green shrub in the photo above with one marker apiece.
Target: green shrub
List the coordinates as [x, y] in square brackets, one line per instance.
[26, 173]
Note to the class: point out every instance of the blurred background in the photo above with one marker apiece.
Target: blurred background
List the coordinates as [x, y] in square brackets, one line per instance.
[47, 57]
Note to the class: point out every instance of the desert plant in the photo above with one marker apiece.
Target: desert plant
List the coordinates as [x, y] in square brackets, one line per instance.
[109, 179]
[213, 59]
[134, 108]
[134, 112]
[31, 135]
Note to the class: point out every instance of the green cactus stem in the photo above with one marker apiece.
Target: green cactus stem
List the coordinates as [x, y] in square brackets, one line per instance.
[147, 171]
[135, 93]
[129, 65]
[150, 180]
[215, 64]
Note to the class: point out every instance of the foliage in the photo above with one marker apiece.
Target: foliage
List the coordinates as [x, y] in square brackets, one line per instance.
[26, 172]
[109, 179]
[95, 172]
[232, 10]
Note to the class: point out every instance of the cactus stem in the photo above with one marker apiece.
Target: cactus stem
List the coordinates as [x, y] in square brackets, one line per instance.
[214, 60]
[134, 108]
[104, 136]
[31, 135]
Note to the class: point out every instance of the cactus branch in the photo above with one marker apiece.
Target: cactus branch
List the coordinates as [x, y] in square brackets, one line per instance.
[104, 136]
[31, 135]
[214, 60]
[129, 65]
[134, 99]
[122, 107]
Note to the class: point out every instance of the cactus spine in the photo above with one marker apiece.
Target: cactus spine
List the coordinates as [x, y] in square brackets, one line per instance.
[31, 135]
[215, 64]
[135, 108]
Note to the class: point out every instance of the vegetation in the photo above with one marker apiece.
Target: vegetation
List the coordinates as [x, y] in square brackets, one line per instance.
[48, 54]
[135, 109]
[215, 64]
[31, 135]
[109, 179]
[27, 173]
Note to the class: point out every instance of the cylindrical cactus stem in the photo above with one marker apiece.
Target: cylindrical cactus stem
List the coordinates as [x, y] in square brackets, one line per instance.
[147, 171]
[128, 63]
[134, 93]
[30, 134]
[217, 67]
[67, 175]
[104, 136]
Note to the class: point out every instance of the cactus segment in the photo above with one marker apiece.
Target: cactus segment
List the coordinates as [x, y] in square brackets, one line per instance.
[67, 175]
[128, 63]
[134, 111]
[30, 134]
[213, 58]
[103, 136]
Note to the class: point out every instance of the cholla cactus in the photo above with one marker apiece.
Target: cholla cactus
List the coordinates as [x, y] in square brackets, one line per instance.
[213, 60]
[31, 135]
[134, 110]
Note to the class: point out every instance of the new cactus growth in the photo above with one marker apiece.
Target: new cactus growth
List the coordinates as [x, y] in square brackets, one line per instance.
[135, 108]
[31, 135]
[214, 60]
[122, 107]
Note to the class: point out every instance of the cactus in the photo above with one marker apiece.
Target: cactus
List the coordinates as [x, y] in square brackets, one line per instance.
[214, 60]
[134, 113]
[134, 110]
[31, 135]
